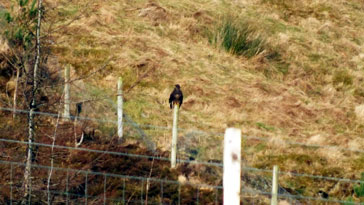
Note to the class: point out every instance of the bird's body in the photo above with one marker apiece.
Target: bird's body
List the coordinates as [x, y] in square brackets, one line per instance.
[176, 97]
[323, 194]
[79, 108]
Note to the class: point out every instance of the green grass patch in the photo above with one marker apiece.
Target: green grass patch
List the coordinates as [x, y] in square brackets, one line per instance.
[303, 159]
[349, 201]
[237, 38]
[314, 57]
[343, 77]
[260, 147]
[359, 189]
[358, 163]
[264, 126]
[91, 53]
[274, 26]
[65, 12]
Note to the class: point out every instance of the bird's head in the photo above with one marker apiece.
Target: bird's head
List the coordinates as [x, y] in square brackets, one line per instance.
[177, 86]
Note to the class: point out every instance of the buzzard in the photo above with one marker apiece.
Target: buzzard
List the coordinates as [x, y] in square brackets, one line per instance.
[176, 96]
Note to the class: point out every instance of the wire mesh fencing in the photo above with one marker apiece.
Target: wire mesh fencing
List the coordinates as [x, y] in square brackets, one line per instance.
[74, 186]
[255, 189]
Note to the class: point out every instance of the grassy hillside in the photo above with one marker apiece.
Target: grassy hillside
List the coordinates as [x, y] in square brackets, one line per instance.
[305, 83]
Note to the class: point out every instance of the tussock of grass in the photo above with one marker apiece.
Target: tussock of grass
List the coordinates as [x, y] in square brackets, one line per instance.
[238, 39]
[359, 189]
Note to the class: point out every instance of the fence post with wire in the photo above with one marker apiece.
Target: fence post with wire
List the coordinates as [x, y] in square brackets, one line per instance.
[120, 108]
[274, 200]
[232, 166]
[66, 113]
[174, 136]
[262, 187]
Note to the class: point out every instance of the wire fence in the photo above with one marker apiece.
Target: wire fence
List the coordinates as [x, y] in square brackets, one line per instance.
[98, 188]
[95, 186]
[307, 199]
[149, 126]
[111, 152]
[246, 168]
[249, 195]
[145, 133]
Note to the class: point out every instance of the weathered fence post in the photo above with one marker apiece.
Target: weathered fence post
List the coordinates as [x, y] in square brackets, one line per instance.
[274, 200]
[66, 113]
[16, 91]
[120, 108]
[232, 166]
[174, 136]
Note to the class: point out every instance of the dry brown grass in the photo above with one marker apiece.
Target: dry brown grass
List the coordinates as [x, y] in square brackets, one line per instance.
[156, 44]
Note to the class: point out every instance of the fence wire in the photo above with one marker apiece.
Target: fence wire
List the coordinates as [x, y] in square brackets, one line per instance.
[307, 198]
[246, 168]
[149, 126]
[144, 183]
[71, 197]
[164, 128]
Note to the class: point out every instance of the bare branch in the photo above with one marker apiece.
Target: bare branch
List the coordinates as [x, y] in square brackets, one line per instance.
[52, 156]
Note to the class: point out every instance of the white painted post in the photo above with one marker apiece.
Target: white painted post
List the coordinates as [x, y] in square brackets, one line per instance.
[120, 108]
[232, 166]
[274, 200]
[66, 113]
[174, 136]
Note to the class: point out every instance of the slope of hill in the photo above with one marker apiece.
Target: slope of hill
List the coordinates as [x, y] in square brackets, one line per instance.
[306, 85]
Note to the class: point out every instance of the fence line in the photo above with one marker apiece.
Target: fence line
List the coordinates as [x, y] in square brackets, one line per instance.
[196, 131]
[181, 160]
[65, 193]
[113, 175]
[112, 152]
[307, 145]
[143, 179]
[246, 168]
[109, 121]
[305, 175]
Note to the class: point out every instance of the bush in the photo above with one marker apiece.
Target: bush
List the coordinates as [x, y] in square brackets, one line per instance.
[238, 39]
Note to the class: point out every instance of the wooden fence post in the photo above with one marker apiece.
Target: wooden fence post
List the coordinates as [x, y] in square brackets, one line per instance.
[232, 166]
[66, 113]
[174, 136]
[120, 108]
[274, 200]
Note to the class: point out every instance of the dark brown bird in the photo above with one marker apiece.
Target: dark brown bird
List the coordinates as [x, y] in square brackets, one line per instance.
[323, 194]
[176, 96]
